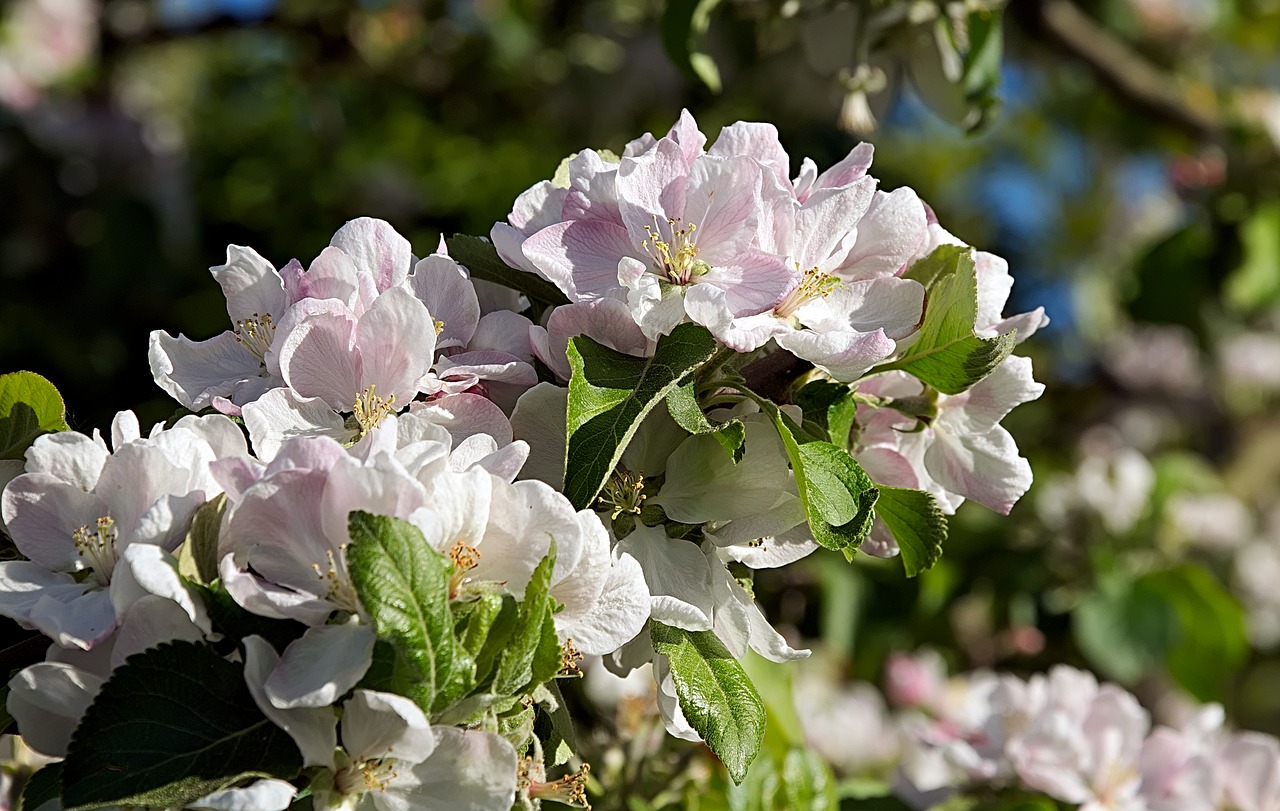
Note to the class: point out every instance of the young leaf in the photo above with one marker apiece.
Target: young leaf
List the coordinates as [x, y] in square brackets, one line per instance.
[610, 393]
[947, 353]
[684, 408]
[198, 555]
[831, 405]
[807, 781]
[917, 525]
[172, 724]
[716, 696]
[404, 585]
[481, 260]
[29, 406]
[684, 27]
[528, 655]
[832, 486]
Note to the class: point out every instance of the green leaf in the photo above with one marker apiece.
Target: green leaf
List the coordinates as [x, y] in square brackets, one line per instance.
[716, 696]
[807, 781]
[556, 727]
[29, 407]
[832, 486]
[947, 353]
[172, 724]
[404, 586]
[684, 408]
[481, 260]
[528, 655]
[832, 406]
[917, 525]
[1125, 629]
[198, 556]
[42, 787]
[1212, 642]
[610, 393]
[1255, 283]
[684, 27]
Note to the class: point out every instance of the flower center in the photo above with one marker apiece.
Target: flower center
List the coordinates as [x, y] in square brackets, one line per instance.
[465, 558]
[338, 587]
[370, 409]
[366, 776]
[814, 284]
[569, 790]
[96, 543]
[570, 656]
[624, 492]
[256, 334]
[677, 259]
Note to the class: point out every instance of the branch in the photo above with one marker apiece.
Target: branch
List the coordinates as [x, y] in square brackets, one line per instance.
[1117, 66]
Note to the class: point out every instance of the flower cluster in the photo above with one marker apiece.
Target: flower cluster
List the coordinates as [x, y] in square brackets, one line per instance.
[388, 525]
[1061, 734]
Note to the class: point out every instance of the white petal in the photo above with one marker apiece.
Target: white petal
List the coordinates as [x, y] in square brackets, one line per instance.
[146, 569]
[442, 285]
[616, 617]
[468, 771]
[251, 284]
[378, 725]
[280, 415]
[260, 795]
[320, 666]
[396, 339]
[704, 484]
[151, 621]
[69, 456]
[47, 700]
[313, 730]
[376, 249]
[539, 419]
[677, 575]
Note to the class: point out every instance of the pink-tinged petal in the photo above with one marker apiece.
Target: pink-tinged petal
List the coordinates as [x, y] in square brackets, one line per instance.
[888, 467]
[994, 286]
[441, 284]
[194, 372]
[983, 467]
[137, 477]
[504, 331]
[537, 207]
[753, 282]
[508, 242]
[1023, 325]
[332, 275]
[885, 303]
[639, 146]
[1009, 386]
[251, 284]
[722, 200]
[539, 419]
[42, 513]
[594, 193]
[281, 415]
[651, 190]
[754, 140]
[827, 224]
[23, 583]
[850, 169]
[376, 249]
[606, 321]
[685, 132]
[283, 510]
[236, 474]
[1249, 766]
[469, 770]
[396, 340]
[314, 730]
[293, 276]
[267, 600]
[708, 305]
[317, 341]
[321, 665]
[580, 256]
[81, 622]
[68, 456]
[466, 414]
[843, 355]
[880, 543]
[47, 700]
[496, 366]
[166, 521]
[889, 235]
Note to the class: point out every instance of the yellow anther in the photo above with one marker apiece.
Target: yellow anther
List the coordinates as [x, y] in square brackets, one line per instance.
[676, 259]
[465, 558]
[256, 334]
[439, 326]
[624, 492]
[570, 790]
[570, 656]
[814, 284]
[370, 409]
[96, 543]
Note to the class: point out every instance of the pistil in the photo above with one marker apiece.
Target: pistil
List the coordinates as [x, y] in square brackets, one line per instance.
[370, 409]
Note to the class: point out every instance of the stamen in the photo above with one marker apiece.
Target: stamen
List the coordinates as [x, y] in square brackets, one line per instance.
[465, 558]
[256, 334]
[677, 259]
[370, 409]
[338, 588]
[96, 543]
[570, 656]
[624, 492]
[365, 776]
[569, 790]
[814, 284]
[439, 326]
